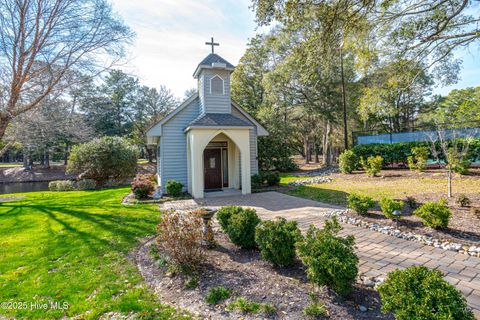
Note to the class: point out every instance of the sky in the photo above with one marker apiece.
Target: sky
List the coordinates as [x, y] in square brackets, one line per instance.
[171, 35]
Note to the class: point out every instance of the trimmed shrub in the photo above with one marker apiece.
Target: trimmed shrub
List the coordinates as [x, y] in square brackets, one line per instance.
[142, 186]
[61, 185]
[330, 259]
[388, 206]
[463, 200]
[86, 184]
[360, 204]
[225, 213]
[372, 166]
[276, 240]
[241, 228]
[272, 178]
[418, 161]
[347, 161]
[420, 293]
[173, 188]
[256, 181]
[239, 224]
[217, 294]
[103, 159]
[180, 236]
[434, 214]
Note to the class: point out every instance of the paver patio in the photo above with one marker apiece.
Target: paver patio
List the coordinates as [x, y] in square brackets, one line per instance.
[378, 253]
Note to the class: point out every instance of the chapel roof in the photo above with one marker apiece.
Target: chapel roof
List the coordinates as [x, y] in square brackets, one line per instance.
[209, 62]
[219, 119]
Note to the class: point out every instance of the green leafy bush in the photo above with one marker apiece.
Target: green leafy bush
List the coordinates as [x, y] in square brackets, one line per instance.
[330, 259]
[244, 305]
[315, 310]
[61, 185]
[420, 293]
[239, 224]
[462, 167]
[265, 178]
[256, 181]
[388, 206]
[463, 200]
[418, 161]
[347, 161]
[225, 213]
[434, 214]
[360, 204]
[142, 186]
[173, 188]
[103, 159]
[86, 184]
[276, 240]
[372, 166]
[217, 294]
[272, 178]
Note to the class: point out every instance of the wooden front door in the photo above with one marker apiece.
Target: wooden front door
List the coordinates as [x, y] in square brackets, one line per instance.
[212, 163]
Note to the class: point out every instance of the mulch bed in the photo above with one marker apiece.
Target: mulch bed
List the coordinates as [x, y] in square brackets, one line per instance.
[249, 276]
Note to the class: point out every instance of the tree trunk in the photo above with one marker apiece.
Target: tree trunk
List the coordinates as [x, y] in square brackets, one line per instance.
[305, 148]
[149, 154]
[344, 100]
[317, 160]
[326, 145]
[6, 148]
[47, 159]
[65, 155]
[449, 180]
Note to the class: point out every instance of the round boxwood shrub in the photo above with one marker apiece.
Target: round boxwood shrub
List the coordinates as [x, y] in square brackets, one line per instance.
[372, 166]
[173, 188]
[102, 159]
[272, 178]
[360, 204]
[224, 214]
[61, 185]
[330, 259]
[420, 293]
[239, 224]
[389, 206]
[434, 214]
[276, 240]
[86, 184]
[347, 161]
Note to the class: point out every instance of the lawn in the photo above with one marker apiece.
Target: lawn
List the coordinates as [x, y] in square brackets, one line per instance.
[71, 248]
[396, 184]
[8, 165]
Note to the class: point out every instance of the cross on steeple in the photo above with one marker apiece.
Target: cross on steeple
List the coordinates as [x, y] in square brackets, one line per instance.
[213, 44]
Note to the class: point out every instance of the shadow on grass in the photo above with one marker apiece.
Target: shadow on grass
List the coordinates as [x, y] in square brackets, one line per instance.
[320, 194]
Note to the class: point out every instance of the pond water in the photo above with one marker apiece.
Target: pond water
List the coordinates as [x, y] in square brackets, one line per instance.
[19, 187]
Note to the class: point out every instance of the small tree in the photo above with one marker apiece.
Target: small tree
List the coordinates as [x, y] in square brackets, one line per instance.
[103, 159]
[450, 149]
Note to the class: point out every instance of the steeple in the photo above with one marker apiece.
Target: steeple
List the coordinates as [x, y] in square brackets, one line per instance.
[213, 74]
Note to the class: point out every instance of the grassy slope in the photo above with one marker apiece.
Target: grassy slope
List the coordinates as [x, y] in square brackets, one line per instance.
[336, 192]
[71, 247]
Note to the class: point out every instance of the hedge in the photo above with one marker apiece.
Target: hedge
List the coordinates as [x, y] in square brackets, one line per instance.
[397, 153]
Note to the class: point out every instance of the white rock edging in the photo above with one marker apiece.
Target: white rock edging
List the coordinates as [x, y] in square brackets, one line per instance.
[316, 180]
[392, 231]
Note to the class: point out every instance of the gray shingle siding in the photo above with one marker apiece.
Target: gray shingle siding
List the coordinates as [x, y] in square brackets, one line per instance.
[253, 141]
[173, 146]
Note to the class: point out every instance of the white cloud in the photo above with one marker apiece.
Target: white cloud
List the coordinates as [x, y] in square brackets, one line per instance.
[170, 37]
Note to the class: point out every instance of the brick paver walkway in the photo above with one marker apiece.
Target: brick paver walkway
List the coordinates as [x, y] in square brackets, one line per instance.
[378, 253]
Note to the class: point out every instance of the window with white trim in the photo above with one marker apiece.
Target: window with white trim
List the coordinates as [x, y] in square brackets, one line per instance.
[216, 85]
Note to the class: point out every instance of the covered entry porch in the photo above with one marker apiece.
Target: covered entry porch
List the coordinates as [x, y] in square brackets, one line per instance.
[218, 161]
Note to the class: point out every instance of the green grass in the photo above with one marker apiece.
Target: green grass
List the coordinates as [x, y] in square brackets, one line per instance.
[217, 294]
[72, 247]
[6, 165]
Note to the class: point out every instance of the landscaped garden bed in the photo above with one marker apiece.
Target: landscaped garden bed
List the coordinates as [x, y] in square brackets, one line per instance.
[247, 275]
[464, 224]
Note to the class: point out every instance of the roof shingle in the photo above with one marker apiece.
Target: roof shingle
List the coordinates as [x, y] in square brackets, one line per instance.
[219, 120]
